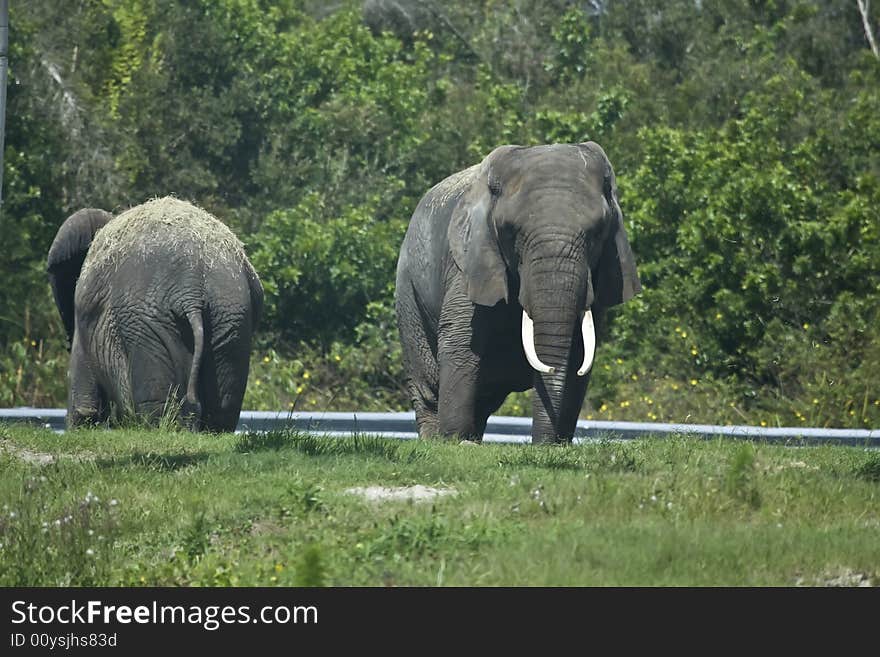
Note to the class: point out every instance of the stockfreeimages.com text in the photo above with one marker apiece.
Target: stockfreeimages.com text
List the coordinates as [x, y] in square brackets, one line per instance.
[211, 617]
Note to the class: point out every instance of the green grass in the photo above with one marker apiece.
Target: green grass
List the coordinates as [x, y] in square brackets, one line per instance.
[138, 507]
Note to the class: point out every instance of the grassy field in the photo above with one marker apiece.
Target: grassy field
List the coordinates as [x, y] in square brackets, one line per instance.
[139, 507]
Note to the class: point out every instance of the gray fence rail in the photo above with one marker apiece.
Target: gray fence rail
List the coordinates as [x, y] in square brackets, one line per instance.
[499, 429]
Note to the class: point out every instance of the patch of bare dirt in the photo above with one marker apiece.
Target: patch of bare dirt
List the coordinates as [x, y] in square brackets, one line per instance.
[38, 458]
[845, 577]
[417, 493]
[261, 527]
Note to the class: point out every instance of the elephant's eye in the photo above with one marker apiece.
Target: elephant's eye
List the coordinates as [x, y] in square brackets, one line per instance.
[494, 186]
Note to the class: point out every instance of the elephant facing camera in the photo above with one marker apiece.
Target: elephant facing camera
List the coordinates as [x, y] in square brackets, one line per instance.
[160, 305]
[506, 271]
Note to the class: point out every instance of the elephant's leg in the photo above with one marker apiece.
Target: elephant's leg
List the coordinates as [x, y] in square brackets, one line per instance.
[419, 351]
[459, 409]
[224, 379]
[158, 364]
[86, 403]
[489, 400]
[157, 394]
[422, 385]
[223, 375]
[427, 419]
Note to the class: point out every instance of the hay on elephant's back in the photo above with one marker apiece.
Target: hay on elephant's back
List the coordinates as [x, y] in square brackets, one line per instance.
[162, 224]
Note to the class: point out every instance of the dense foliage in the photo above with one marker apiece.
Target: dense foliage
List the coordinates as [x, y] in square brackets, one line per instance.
[745, 135]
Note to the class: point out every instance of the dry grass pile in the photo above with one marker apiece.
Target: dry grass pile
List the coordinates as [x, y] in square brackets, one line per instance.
[163, 223]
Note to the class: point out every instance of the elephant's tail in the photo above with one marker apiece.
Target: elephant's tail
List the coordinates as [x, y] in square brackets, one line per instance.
[193, 407]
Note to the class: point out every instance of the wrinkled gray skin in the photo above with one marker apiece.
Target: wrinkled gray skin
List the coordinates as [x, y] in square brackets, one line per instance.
[536, 228]
[146, 332]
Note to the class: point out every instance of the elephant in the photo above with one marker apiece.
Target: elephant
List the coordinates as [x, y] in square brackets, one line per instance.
[505, 272]
[160, 305]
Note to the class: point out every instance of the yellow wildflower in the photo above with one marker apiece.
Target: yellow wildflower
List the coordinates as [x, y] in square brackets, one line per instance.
[266, 359]
[694, 382]
[306, 374]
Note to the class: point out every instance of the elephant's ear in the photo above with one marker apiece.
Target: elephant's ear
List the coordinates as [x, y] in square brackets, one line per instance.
[66, 256]
[473, 239]
[616, 277]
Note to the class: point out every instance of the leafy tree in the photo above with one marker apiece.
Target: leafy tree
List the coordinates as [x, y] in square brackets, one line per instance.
[745, 136]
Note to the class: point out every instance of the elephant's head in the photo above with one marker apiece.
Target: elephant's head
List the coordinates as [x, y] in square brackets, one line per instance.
[542, 226]
[66, 256]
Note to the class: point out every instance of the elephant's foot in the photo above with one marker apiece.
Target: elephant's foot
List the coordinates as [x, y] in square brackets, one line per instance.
[428, 423]
[191, 415]
[84, 417]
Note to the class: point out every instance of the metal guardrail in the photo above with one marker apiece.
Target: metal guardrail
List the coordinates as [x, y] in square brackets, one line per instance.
[499, 429]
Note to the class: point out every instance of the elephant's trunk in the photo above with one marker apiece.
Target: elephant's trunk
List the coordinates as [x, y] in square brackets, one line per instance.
[564, 343]
[588, 334]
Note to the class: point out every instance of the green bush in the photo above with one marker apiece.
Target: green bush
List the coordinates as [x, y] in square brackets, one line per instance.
[745, 136]
[320, 272]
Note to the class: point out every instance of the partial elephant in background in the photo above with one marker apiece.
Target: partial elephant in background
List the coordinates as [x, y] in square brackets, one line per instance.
[505, 270]
[66, 258]
[160, 305]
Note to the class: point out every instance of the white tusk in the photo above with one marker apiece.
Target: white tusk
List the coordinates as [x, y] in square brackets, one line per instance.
[528, 340]
[589, 332]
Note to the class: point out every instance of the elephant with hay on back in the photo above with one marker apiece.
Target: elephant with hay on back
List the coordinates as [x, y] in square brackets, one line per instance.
[160, 305]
